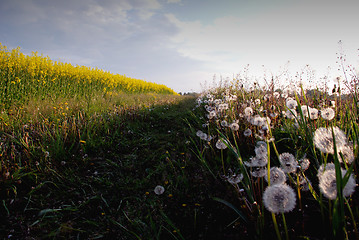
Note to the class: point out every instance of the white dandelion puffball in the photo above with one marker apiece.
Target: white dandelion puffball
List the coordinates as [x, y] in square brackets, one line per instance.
[248, 111]
[212, 114]
[348, 154]
[234, 178]
[304, 163]
[247, 132]
[224, 123]
[328, 184]
[234, 126]
[327, 113]
[159, 190]
[323, 139]
[291, 114]
[288, 162]
[291, 103]
[277, 176]
[279, 198]
[313, 113]
[261, 151]
[304, 109]
[257, 161]
[259, 172]
[220, 144]
[324, 167]
[199, 133]
[304, 183]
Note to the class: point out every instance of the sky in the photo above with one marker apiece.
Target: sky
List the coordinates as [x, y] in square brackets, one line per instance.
[185, 43]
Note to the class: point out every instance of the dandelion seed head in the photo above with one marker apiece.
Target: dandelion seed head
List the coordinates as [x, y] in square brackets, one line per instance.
[247, 132]
[327, 113]
[304, 109]
[288, 162]
[257, 161]
[291, 103]
[248, 111]
[328, 184]
[261, 151]
[279, 198]
[212, 114]
[223, 106]
[159, 190]
[304, 163]
[224, 123]
[313, 113]
[234, 178]
[291, 114]
[323, 139]
[234, 126]
[277, 176]
[258, 172]
[348, 154]
[220, 144]
[304, 183]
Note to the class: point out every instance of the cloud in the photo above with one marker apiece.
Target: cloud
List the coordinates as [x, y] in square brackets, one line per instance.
[173, 1]
[300, 33]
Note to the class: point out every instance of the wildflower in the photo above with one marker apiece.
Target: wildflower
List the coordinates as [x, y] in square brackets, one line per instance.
[257, 121]
[304, 183]
[248, 111]
[304, 109]
[277, 176]
[223, 106]
[257, 101]
[279, 198]
[288, 162]
[259, 172]
[247, 132]
[313, 113]
[159, 190]
[261, 150]
[348, 154]
[220, 144]
[328, 184]
[276, 95]
[203, 136]
[324, 167]
[212, 114]
[273, 115]
[224, 123]
[234, 126]
[234, 178]
[257, 161]
[291, 114]
[304, 163]
[291, 103]
[217, 101]
[323, 139]
[327, 113]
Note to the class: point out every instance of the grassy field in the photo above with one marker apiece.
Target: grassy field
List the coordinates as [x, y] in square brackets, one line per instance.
[234, 162]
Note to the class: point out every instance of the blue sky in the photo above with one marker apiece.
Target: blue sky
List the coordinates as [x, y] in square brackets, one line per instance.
[183, 43]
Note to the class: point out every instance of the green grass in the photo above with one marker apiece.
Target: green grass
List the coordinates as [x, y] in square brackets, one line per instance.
[96, 179]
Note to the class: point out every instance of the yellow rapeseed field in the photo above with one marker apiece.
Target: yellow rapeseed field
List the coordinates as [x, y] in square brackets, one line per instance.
[24, 77]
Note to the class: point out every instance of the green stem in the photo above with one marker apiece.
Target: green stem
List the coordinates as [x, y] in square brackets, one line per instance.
[285, 227]
[276, 227]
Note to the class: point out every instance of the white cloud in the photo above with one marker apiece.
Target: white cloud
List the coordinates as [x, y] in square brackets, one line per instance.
[173, 1]
[302, 34]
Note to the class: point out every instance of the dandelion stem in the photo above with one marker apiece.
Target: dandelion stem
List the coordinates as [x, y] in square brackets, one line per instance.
[285, 227]
[276, 227]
